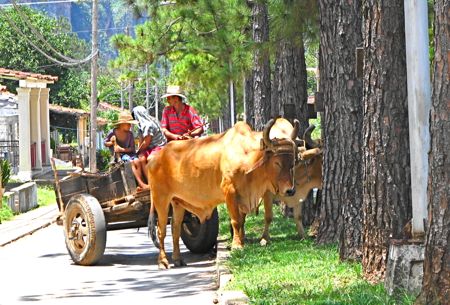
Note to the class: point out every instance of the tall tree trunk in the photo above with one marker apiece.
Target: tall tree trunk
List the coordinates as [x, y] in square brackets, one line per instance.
[348, 147]
[386, 161]
[249, 101]
[330, 217]
[261, 64]
[290, 86]
[226, 112]
[436, 277]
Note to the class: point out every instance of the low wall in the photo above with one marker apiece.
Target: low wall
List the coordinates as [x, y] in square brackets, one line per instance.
[23, 197]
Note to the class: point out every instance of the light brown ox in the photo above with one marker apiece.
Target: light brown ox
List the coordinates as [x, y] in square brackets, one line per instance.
[232, 167]
[308, 175]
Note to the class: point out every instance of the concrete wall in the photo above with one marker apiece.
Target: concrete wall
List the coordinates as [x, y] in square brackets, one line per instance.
[22, 198]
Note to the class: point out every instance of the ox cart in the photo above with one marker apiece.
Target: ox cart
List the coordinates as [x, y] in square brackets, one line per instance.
[92, 204]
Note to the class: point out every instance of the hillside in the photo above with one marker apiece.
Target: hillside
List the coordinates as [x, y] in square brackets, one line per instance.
[114, 17]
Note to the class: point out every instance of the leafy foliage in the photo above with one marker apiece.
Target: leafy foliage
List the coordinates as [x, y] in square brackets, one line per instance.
[204, 43]
[103, 158]
[5, 171]
[5, 212]
[16, 53]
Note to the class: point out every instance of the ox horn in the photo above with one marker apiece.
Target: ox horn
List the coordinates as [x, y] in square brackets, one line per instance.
[295, 131]
[307, 137]
[266, 132]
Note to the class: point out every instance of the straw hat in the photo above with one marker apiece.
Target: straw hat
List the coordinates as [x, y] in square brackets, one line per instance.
[125, 118]
[174, 90]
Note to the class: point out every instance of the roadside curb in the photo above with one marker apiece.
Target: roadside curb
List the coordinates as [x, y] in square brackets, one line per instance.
[223, 276]
[27, 223]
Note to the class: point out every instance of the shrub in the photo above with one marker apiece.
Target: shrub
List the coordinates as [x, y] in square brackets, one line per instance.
[5, 171]
[103, 159]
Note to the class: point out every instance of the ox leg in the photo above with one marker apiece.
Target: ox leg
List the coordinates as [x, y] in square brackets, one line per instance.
[268, 217]
[162, 208]
[298, 220]
[177, 220]
[236, 223]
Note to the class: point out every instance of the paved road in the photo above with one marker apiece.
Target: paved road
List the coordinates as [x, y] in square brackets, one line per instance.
[38, 268]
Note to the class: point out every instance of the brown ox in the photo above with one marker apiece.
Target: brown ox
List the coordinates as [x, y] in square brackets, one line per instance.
[308, 175]
[198, 174]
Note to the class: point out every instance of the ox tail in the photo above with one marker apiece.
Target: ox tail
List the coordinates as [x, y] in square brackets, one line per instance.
[151, 223]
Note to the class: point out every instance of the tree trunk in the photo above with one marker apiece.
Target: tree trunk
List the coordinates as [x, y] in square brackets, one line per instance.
[249, 101]
[386, 162]
[348, 147]
[436, 277]
[226, 113]
[330, 214]
[261, 64]
[290, 86]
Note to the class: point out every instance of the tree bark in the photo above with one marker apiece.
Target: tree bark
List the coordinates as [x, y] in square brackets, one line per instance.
[261, 64]
[248, 101]
[386, 161]
[330, 217]
[290, 86]
[348, 147]
[436, 277]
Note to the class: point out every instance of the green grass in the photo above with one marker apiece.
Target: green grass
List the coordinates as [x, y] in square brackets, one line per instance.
[46, 195]
[290, 271]
[5, 212]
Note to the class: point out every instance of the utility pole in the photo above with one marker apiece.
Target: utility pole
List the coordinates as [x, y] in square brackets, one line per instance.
[122, 98]
[94, 70]
[419, 105]
[147, 88]
[232, 114]
[156, 99]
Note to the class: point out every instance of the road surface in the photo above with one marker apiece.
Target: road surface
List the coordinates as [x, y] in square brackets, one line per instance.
[38, 268]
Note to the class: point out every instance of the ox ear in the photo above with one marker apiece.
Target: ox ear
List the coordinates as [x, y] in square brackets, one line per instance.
[295, 130]
[310, 153]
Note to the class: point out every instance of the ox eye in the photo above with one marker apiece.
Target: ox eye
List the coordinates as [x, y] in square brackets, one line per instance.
[278, 164]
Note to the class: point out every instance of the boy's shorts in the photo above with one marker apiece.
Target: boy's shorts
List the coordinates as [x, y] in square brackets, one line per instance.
[151, 151]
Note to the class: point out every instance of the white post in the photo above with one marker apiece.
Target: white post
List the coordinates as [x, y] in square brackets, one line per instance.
[232, 114]
[419, 104]
[147, 88]
[45, 123]
[156, 100]
[23, 95]
[35, 125]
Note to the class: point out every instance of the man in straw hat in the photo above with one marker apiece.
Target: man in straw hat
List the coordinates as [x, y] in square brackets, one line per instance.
[120, 139]
[179, 120]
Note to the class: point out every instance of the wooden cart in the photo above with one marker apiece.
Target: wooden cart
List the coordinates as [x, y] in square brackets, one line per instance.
[92, 204]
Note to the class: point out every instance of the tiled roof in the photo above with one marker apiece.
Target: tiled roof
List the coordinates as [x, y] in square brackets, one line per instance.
[104, 106]
[18, 75]
[66, 110]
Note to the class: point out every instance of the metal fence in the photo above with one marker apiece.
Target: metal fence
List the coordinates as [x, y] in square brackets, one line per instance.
[9, 150]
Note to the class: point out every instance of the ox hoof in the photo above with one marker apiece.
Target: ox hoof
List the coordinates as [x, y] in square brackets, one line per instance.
[300, 237]
[263, 242]
[236, 247]
[179, 263]
[163, 264]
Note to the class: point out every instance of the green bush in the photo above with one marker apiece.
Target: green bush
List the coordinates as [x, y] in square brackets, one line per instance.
[5, 212]
[5, 170]
[103, 158]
